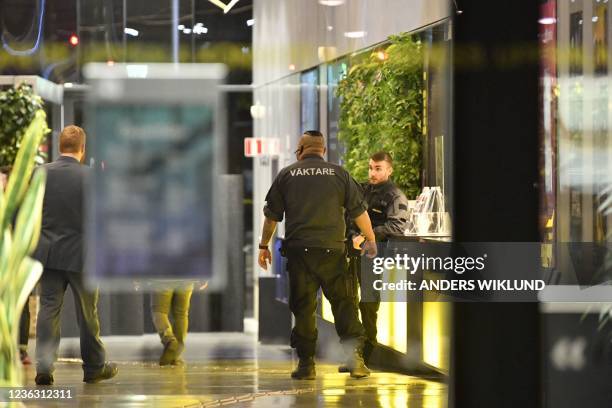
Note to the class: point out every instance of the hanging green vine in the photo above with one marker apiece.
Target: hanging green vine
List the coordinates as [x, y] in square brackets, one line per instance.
[17, 109]
[382, 109]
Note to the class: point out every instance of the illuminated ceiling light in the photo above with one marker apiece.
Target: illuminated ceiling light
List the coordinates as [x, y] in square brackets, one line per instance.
[187, 31]
[331, 3]
[225, 7]
[547, 20]
[251, 22]
[594, 19]
[68, 85]
[258, 111]
[355, 34]
[200, 29]
[131, 31]
[181, 27]
[291, 67]
[330, 28]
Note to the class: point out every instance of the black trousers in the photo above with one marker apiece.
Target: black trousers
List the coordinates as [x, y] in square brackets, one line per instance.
[53, 285]
[369, 303]
[313, 268]
[24, 325]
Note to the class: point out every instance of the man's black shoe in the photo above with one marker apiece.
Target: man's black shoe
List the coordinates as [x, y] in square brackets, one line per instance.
[44, 379]
[108, 371]
[305, 370]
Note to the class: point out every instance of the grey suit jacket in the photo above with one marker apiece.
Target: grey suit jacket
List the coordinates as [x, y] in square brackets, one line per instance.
[61, 238]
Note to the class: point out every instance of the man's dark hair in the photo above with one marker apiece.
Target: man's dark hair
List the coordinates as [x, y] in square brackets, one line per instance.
[313, 133]
[382, 156]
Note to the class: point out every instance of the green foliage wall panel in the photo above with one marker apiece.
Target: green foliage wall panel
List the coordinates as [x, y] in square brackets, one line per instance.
[382, 109]
[17, 109]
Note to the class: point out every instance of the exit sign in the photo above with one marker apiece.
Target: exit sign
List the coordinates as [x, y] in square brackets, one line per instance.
[261, 146]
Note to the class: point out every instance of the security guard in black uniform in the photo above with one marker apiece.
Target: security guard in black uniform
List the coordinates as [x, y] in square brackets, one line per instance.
[314, 196]
[388, 210]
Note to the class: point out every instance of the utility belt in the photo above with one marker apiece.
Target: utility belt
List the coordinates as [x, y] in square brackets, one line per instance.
[286, 247]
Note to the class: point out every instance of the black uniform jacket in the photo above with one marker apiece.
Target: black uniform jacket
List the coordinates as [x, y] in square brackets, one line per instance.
[314, 195]
[388, 210]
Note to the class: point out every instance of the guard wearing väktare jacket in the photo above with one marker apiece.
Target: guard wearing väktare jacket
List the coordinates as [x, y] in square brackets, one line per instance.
[312, 196]
[60, 251]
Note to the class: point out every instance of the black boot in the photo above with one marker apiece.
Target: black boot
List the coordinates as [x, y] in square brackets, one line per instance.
[368, 347]
[356, 365]
[305, 369]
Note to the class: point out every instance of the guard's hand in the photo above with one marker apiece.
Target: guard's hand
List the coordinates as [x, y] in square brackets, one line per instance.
[264, 258]
[369, 249]
[357, 241]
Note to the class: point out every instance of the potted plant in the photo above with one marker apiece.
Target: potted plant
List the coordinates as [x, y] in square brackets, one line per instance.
[20, 222]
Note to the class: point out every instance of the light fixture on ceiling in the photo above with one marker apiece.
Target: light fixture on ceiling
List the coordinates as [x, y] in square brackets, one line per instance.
[547, 20]
[186, 30]
[355, 34]
[181, 27]
[595, 19]
[251, 22]
[331, 3]
[225, 7]
[131, 31]
[200, 29]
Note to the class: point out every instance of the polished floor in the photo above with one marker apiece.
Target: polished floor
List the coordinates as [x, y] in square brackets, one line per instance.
[229, 369]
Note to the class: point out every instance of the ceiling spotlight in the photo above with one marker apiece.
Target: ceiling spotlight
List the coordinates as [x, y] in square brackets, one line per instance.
[547, 20]
[131, 31]
[594, 19]
[181, 27]
[355, 34]
[187, 31]
[331, 3]
[200, 29]
[251, 22]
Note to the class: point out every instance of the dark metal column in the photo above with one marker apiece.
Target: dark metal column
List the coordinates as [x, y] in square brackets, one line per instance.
[496, 347]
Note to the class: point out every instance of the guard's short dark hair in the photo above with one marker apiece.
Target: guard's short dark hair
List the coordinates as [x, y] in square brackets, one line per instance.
[313, 133]
[382, 156]
[72, 139]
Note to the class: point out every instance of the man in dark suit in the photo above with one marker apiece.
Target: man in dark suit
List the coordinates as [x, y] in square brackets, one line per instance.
[61, 252]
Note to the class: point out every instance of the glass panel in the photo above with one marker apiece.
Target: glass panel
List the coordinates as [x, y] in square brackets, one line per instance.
[335, 72]
[309, 95]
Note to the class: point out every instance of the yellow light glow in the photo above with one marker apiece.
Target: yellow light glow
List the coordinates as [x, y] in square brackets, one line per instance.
[436, 331]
